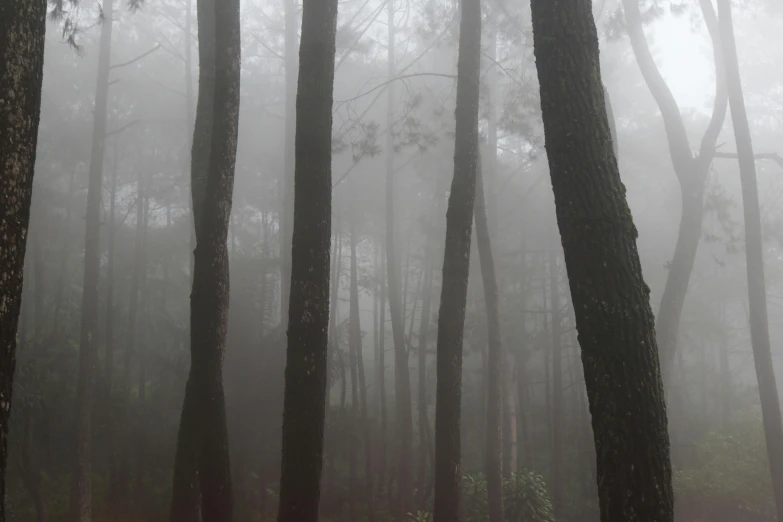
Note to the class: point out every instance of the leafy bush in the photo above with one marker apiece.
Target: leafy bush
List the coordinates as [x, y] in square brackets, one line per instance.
[731, 482]
[525, 498]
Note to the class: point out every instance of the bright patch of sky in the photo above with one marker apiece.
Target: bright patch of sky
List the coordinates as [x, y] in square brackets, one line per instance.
[684, 58]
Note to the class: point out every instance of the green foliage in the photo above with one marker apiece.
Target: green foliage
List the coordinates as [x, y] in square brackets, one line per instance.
[420, 516]
[525, 498]
[731, 480]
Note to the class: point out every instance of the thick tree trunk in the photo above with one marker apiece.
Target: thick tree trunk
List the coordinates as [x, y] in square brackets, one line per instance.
[402, 394]
[306, 368]
[691, 171]
[81, 492]
[22, 29]
[494, 356]
[456, 268]
[203, 436]
[610, 298]
[754, 251]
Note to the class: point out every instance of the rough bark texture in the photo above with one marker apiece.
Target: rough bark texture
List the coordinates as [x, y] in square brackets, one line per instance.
[81, 492]
[203, 435]
[456, 268]
[22, 29]
[402, 385]
[614, 320]
[306, 367]
[691, 172]
[757, 297]
[494, 356]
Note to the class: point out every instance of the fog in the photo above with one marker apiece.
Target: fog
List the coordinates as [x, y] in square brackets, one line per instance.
[390, 121]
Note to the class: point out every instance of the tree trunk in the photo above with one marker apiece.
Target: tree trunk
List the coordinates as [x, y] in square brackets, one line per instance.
[144, 325]
[754, 251]
[424, 330]
[287, 203]
[557, 386]
[121, 503]
[203, 435]
[355, 346]
[382, 370]
[610, 298]
[22, 29]
[456, 269]
[494, 356]
[81, 492]
[691, 172]
[108, 362]
[402, 394]
[306, 368]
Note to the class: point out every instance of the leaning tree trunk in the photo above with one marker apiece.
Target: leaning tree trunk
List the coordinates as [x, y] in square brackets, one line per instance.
[81, 481]
[757, 297]
[306, 368]
[494, 356]
[456, 269]
[22, 30]
[202, 445]
[614, 320]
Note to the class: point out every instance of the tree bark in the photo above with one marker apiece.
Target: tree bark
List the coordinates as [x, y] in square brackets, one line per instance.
[203, 436]
[22, 29]
[754, 251]
[691, 172]
[81, 492]
[494, 356]
[402, 394]
[306, 368]
[614, 320]
[456, 268]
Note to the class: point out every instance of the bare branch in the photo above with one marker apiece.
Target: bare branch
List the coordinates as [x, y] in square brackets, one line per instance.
[134, 60]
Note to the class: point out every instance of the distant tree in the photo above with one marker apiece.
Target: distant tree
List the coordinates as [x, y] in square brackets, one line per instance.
[754, 252]
[614, 320]
[308, 311]
[203, 434]
[691, 170]
[456, 269]
[22, 31]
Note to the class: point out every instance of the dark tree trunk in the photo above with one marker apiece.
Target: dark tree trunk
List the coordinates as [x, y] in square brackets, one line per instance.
[402, 394]
[287, 203]
[691, 172]
[610, 298]
[306, 367]
[754, 251]
[494, 356]
[456, 268]
[22, 29]
[81, 492]
[203, 435]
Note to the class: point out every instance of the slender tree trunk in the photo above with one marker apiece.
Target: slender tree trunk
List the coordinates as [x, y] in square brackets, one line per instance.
[754, 251]
[203, 435]
[402, 397]
[143, 349]
[691, 172]
[456, 268]
[424, 330]
[306, 368]
[610, 298]
[189, 113]
[382, 370]
[64, 251]
[494, 356]
[557, 387]
[122, 503]
[287, 203]
[81, 492]
[355, 347]
[108, 362]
